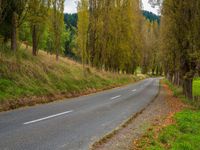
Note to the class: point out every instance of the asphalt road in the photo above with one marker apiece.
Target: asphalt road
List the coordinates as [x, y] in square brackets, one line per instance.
[74, 123]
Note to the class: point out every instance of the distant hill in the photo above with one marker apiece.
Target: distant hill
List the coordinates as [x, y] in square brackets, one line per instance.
[70, 44]
[71, 20]
[151, 16]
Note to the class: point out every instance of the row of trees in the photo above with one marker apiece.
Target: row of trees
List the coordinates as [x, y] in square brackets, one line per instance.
[115, 35]
[109, 34]
[151, 62]
[180, 42]
[107, 31]
[34, 21]
[112, 35]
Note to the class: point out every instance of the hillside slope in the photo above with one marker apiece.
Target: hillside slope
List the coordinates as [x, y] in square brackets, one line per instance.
[27, 80]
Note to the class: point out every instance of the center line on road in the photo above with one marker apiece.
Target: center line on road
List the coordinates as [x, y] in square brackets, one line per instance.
[48, 117]
[115, 97]
[134, 90]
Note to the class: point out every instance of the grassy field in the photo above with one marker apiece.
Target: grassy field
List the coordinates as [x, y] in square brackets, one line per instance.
[27, 76]
[184, 134]
[196, 87]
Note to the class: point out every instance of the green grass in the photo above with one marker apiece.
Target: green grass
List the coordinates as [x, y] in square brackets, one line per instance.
[24, 75]
[196, 87]
[184, 134]
[177, 91]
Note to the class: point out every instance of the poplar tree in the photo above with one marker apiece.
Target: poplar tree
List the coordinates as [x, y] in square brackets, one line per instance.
[180, 23]
[83, 21]
[151, 55]
[114, 40]
[37, 17]
[57, 23]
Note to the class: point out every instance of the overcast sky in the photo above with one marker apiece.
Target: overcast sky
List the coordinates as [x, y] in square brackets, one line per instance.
[70, 6]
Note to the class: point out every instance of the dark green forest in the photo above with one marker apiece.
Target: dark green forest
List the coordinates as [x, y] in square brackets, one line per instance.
[71, 19]
[151, 16]
[70, 44]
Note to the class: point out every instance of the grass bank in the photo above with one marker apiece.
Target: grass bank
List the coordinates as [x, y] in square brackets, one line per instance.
[196, 87]
[184, 131]
[184, 134]
[28, 80]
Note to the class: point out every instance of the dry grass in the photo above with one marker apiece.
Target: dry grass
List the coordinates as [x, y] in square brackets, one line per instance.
[28, 80]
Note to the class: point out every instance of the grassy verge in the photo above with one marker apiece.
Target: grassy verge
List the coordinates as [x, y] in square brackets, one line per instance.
[25, 79]
[177, 92]
[196, 87]
[182, 134]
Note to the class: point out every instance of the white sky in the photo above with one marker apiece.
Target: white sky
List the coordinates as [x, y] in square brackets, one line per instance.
[70, 6]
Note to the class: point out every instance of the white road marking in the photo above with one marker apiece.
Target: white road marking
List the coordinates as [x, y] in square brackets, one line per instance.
[115, 97]
[48, 117]
[62, 146]
[134, 90]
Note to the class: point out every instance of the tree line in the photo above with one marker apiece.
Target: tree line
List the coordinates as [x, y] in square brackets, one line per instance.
[71, 25]
[111, 35]
[180, 42]
[114, 35]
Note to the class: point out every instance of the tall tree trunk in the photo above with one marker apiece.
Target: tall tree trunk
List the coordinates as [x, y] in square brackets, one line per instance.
[187, 87]
[161, 71]
[57, 54]
[157, 70]
[177, 78]
[153, 69]
[170, 77]
[34, 40]
[14, 32]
